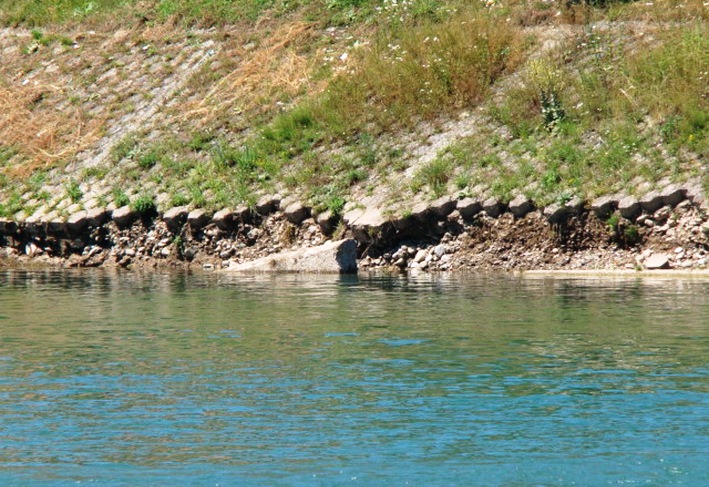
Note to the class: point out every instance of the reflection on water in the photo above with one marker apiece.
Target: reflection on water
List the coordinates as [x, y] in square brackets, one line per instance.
[154, 379]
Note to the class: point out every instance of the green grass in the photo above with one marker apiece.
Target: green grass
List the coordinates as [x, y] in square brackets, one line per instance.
[11, 204]
[604, 111]
[119, 197]
[144, 204]
[73, 191]
[205, 13]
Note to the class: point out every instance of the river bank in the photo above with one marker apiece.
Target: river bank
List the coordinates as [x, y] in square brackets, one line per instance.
[668, 230]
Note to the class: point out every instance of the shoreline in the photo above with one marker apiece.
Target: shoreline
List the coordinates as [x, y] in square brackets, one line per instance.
[442, 235]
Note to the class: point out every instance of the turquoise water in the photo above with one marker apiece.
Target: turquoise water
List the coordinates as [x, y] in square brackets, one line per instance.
[136, 380]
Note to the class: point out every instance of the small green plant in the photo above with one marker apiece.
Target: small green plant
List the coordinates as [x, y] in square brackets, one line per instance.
[94, 172]
[144, 204]
[549, 83]
[120, 198]
[148, 160]
[435, 174]
[179, 199]
[102, 201]
[613, 222]
[200, 141]
[631, 234]
[37, 180]
[11, 205]
[125, 149]
[73, 191]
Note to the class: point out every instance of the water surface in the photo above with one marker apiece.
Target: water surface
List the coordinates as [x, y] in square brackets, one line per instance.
[176, 379]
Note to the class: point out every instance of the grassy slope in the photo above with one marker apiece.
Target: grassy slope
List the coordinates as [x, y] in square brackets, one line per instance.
[335, 100]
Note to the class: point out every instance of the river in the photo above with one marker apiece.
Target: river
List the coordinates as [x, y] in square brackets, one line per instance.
[215, 379]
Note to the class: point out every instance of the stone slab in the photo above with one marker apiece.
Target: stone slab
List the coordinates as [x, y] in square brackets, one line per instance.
[338, 257]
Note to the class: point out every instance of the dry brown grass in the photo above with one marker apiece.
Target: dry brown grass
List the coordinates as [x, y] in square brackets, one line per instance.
[257, 76]
[41, 136]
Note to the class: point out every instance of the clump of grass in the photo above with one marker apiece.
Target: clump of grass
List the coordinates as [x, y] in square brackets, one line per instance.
[11, 205]
[73, 191]
[144, 204]
[126, 148]
[120, 198]
[435, 174]
[148, 160]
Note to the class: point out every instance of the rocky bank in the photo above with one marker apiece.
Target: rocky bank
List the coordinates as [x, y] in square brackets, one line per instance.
[668, 229]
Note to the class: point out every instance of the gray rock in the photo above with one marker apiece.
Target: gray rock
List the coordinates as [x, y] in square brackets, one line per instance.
[175, 217]
[366, 224]
[442, 207]
[124, 217]
[556, 213]
[629, 207]
[673, 195]
[657, 261]
[56, 225]
[268, 204]
[33, 225]
[244, 214]
[327, 221]
[421, 212]
[224, 219]
[469, 207]
[198, 219]
[332, 257]
[420, 256]
[493, 207]
[651, 202]
[296, 213]
[521, 206]
[575, 205]
[695, 194]
[97, 217]
[78, 221]
[604, 206]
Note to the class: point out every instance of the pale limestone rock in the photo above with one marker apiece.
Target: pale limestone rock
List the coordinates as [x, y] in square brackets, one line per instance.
[332, 257]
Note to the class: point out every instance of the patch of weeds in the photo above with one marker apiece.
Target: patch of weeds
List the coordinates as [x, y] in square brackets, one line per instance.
[435, 175]
[6, 153]
[549, 83]
[144, 204]
[200, 141]
[490, 160]
[631, 235]
[102, 201]
[462, 181]
[73, 191]
[551, 179]
[179, 199]
[11, 205]
[330, 198]
[37, 180]
[197, 196]
[622, 232]
[125, 149]
[148, 160]
[120, 198]
[94, 172]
